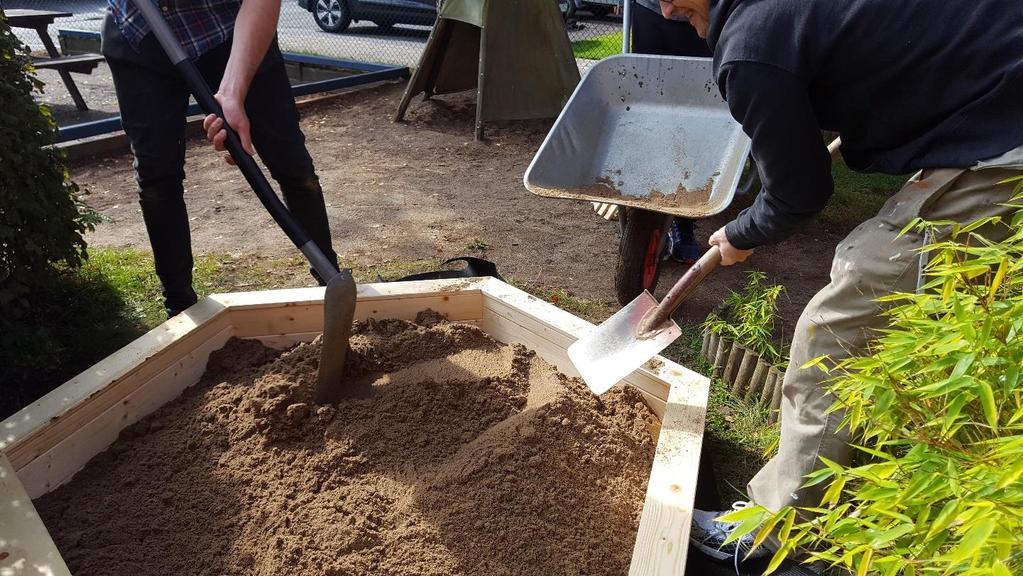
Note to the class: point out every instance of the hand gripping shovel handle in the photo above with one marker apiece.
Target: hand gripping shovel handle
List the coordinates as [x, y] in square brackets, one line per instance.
[204, 96]
[681, 290]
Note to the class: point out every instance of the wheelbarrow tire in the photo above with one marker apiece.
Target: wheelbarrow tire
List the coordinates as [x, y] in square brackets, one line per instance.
[639, 253]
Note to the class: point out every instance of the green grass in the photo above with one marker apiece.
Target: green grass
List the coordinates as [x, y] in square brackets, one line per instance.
[477, 245]
[857, 197]
[598, 47]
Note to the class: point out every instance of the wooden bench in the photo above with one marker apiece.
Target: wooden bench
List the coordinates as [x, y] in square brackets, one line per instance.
[40, 20]
[79, 63]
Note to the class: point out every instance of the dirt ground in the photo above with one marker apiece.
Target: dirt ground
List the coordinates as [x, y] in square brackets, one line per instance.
[464, 457]
[424, 189]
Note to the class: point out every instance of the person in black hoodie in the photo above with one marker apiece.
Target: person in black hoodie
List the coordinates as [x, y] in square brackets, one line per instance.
[931, 86]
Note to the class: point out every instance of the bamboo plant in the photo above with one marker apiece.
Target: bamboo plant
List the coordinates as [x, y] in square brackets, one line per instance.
[748, 317]
[935, 410]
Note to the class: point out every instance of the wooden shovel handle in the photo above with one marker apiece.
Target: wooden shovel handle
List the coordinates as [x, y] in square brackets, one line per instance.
[681, 290]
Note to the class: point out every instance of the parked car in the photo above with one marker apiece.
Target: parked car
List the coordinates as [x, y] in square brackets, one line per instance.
[337, 15]
[598, 8]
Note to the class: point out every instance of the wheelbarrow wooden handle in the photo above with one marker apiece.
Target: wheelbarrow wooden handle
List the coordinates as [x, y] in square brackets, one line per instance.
[681, 290]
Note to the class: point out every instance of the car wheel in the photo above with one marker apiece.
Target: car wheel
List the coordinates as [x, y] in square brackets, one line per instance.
[332, 15]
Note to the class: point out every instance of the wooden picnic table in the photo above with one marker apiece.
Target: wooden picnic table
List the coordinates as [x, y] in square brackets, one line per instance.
[40, 20]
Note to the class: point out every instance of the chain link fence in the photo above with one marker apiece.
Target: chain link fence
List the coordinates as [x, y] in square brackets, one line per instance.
[380, 32]
[390, 32]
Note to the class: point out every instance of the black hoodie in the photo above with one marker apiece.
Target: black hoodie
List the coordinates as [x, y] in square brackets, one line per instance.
[909, 84]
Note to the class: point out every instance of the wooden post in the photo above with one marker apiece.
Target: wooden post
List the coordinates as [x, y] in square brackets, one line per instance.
[757, 381]
[720, 356]
[735, 356]
[742, 378]
[712, 349]
[769, 381]
[779, 379]
[706, 342]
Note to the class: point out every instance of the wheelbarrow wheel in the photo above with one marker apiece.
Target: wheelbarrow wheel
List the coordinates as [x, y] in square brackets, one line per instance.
[639, 253]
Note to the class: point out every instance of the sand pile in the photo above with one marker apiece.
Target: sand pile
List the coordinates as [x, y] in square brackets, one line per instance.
[468, 457]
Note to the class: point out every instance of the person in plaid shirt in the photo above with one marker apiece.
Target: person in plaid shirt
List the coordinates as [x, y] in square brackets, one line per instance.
[234, 45]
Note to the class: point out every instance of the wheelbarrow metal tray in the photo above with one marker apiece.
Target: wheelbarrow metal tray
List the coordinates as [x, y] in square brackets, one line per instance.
[46, 443]
[644, 131]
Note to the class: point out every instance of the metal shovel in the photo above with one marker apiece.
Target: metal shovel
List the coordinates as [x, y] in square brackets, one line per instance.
[637, 332]
[339, 297]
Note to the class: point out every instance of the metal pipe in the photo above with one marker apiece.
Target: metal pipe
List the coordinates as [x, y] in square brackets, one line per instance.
[627, 27]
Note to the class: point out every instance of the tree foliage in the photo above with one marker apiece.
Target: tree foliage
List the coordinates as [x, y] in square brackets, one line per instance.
[936, 410]
[41, 221]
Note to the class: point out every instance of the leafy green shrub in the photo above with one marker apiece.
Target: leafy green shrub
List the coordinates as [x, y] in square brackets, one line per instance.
[40, 218]
[936, 411]
[748, 317]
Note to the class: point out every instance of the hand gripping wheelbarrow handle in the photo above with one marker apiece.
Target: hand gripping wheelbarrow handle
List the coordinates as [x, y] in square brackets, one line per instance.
[247, 164]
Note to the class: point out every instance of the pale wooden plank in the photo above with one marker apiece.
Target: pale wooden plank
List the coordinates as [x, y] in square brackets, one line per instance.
[370, 291]
[37, 427]
[25, 545]
[63, 460]
[662, 541]
[260, 314]
[261, 321]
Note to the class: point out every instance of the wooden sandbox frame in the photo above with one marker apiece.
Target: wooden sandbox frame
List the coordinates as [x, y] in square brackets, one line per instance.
[46, 443]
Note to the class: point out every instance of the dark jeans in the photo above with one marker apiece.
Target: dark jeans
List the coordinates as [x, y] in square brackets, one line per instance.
[654, 34]
[153, 99]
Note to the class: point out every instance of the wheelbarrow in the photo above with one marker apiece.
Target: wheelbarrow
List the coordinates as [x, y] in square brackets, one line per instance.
[650, 133]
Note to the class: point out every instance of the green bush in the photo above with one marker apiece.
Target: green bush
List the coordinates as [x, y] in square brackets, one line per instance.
[748, 317]
[936, 412]
[41, 222]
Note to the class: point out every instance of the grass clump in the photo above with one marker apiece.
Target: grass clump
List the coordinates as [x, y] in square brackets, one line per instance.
[598, 47]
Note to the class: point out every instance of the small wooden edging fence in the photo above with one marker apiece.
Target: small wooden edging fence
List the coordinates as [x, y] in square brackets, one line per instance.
[750, 376]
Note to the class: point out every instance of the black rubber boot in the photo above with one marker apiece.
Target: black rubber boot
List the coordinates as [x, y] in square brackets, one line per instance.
[304, 199]
[163, 210]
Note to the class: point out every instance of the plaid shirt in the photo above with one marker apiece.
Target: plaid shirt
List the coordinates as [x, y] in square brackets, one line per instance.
[200, 25]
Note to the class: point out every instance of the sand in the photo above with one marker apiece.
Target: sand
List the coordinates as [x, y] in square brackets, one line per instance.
[469, 457]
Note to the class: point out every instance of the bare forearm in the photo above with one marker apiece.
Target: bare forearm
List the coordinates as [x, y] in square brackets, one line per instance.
[253, 31]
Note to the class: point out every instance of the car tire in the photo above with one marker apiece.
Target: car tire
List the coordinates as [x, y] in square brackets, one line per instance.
[599, 11]
[643, 235]
[332, 15]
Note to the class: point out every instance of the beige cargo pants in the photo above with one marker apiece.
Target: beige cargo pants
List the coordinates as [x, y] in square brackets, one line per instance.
[872, 261]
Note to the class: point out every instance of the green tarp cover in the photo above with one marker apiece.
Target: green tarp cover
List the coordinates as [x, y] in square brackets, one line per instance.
[468, 11]
[516, 54]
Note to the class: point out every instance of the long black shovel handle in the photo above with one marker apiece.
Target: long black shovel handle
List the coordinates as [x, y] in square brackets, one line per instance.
[681, 290]
[257, 181]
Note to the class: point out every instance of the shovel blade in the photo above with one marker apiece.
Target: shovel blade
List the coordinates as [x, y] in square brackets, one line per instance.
[338, 312]
[615, 349]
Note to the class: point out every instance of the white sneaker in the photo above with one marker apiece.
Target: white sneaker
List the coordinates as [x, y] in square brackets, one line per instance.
[708, 535]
